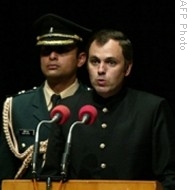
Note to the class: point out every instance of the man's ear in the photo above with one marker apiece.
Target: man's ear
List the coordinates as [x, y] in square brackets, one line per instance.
[81, 59]
[128, 68]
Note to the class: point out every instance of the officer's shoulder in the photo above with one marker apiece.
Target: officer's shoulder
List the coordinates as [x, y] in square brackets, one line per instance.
[22, 93]
[85, 87]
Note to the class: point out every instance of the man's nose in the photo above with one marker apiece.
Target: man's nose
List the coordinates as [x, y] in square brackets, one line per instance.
[53, 55]
[101, 68]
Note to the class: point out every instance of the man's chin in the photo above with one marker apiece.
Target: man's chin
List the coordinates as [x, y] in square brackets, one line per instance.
[102, 91]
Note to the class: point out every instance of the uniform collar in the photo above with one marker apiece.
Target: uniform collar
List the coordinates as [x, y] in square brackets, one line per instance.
[48, 92]
[110, 101]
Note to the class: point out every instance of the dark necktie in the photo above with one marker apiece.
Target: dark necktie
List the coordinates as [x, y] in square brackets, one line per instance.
[55, 99]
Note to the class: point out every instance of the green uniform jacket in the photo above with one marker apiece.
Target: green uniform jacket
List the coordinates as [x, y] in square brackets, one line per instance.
[28, 109]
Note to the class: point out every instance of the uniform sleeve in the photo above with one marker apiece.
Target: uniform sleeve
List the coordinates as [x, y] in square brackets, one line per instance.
[8, 162]
[163, 146]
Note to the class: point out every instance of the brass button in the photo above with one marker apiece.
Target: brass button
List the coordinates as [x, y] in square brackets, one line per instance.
[105, 110]
[103, 165]
[104, 125]
[23, 145]
[102, 145]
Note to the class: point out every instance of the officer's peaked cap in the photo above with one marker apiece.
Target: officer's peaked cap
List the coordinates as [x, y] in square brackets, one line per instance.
[53, 30]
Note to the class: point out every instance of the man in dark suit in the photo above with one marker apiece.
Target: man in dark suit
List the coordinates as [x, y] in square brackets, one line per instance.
[61, 46]
[133, 135]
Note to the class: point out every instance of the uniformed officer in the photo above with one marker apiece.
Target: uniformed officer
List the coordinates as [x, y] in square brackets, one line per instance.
[61, 45]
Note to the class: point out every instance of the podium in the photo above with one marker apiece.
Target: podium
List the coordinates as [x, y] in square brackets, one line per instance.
[81, 185]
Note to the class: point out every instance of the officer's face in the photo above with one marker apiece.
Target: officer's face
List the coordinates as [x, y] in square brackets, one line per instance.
[60, 62]
[107, 68]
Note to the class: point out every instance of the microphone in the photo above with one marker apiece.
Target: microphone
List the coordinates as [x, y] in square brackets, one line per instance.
[87, 115]
[60, 115]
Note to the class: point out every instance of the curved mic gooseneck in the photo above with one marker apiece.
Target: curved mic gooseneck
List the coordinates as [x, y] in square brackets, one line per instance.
[59, 114]
[87, 115]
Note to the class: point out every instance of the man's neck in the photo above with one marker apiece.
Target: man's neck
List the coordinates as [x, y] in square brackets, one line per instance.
[58, 87]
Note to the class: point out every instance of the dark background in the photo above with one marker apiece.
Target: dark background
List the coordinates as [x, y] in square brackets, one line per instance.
[149, 24]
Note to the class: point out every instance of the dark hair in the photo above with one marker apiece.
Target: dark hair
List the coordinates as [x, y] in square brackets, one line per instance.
[102, 36]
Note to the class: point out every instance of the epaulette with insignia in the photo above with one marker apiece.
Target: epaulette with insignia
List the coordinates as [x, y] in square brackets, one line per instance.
[24, 92]
[88, 88]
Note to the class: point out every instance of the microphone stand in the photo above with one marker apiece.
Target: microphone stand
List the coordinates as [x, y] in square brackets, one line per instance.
[36, 143]
[65, 158]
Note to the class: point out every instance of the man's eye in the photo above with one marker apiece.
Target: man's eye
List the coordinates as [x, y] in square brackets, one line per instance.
[111, 63]
[46, 50]
[94, 61]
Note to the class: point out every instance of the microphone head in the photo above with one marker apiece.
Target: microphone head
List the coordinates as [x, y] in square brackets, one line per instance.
[88, 111]
[62, 112]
